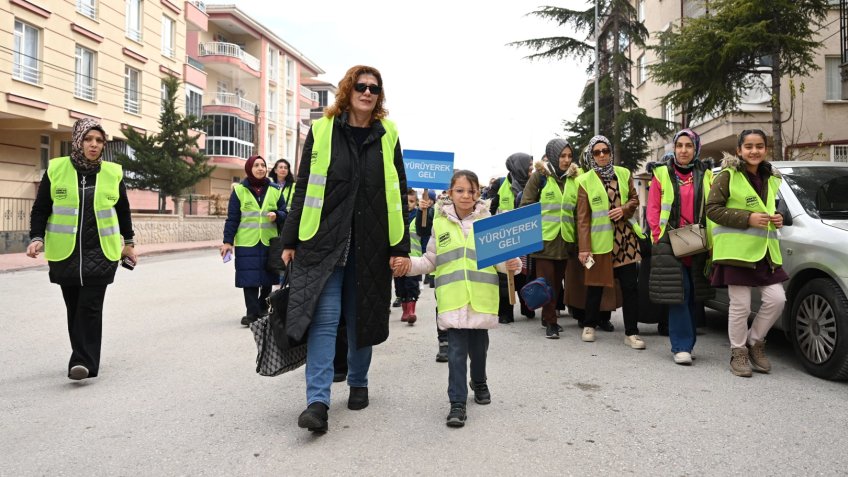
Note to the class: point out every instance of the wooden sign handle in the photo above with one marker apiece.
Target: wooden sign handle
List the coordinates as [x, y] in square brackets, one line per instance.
[511, 283]
[424, 217]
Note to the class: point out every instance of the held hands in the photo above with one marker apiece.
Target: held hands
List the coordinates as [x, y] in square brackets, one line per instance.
[616, 214]
[400, 266]
[761, 220]
[513, 264]
[34, 248]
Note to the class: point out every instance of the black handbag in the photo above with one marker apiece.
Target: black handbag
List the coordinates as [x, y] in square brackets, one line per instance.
[275, 256]
[276, 352]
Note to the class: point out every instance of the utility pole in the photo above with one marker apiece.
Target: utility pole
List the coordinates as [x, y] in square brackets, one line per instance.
[256, 129]
[597, 94]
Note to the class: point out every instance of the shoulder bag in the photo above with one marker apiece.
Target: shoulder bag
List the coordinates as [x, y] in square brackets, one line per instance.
[690, 239]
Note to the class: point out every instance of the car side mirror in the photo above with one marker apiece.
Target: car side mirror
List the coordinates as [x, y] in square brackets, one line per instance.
[783, 210]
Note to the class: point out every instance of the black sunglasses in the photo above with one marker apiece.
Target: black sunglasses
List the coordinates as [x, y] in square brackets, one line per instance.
[361, 87]
[597, 152]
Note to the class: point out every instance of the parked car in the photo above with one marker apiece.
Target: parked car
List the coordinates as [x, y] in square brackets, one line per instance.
[814, 244]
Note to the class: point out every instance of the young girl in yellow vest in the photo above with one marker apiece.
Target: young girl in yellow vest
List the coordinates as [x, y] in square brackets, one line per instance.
[746, 248]
[466, 298]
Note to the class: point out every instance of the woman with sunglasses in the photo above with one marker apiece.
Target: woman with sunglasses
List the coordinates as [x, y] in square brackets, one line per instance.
[746, 248]
[678, 191]
[346, 224]
[608, 238]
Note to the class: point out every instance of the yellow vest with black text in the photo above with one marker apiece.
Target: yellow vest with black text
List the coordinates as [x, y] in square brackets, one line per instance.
[254, 225]
[558, 208]
[322, 135]
[750, 244]
[664, 179]
[458, 282]
[602, 232]
[64, 219]
[506, 198]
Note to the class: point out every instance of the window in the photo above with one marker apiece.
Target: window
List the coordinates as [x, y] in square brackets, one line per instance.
[168, 44]
[27, 65]
[194, 101]
[65, 148]
[272, 106]
[113, 148]
[290, 78]
[85, 85]
[87, 8]
[834, 79]
[132, 90]
[641, 10]
[668, 112]
[163, 96]
[322, 99]
[272, 147]
[839, 153]
[45, 152]
[133, 19]
[228, 136]
[290, 114]
[642, 69]
[273, 65]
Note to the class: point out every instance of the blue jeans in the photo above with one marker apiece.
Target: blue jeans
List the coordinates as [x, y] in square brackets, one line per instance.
[339, 291]
[681, 317]
[464, 344]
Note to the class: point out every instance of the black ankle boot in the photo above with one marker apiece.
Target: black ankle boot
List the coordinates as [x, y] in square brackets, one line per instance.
[314, 417]
[358, 398]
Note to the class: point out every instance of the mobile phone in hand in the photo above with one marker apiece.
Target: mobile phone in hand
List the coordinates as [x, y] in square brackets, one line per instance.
[127, 263]
[228, 256]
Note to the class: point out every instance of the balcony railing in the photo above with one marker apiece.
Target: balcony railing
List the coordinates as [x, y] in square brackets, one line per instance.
[85, 91]
[231, 99]
[15, 214]
[131, 105]
[309, 93]
[200, 5]
[28, 73]
[217, 48]
[87, 8]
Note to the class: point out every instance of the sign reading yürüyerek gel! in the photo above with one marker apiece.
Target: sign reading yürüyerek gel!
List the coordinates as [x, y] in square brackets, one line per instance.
[508, 235]
[428, 169]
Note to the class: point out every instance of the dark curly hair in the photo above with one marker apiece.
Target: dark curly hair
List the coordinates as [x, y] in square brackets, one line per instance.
[346, 84]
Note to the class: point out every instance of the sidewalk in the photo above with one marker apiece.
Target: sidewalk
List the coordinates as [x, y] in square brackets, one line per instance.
[10, 262]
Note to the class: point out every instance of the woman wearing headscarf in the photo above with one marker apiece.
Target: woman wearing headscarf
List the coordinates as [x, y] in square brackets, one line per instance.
[676, 198]
[255, 212]
[81, 220]
[345, 227]
[608, 238]
[507, 196]
[553, 184]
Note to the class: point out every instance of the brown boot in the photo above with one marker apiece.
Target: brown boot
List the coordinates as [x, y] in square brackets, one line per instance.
[411, 318]
[739, 364]
[757, 353]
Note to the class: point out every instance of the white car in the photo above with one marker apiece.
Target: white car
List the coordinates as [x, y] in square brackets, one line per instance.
[814, 245]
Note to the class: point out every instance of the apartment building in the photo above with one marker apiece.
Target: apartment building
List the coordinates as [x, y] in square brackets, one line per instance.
[816, 129]
[255, 95]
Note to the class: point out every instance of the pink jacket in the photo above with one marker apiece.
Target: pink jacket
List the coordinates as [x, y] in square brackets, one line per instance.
[465, 317]
[687, 204]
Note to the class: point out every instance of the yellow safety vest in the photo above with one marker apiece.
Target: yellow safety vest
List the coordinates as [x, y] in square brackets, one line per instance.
[322, 135]
[458, 282]
[602, 229]
[663, 177]
[64, 219]
[750, 244]
[414, 241]
[558, 208]
[254, 225]
[289, 196]
[506, 199]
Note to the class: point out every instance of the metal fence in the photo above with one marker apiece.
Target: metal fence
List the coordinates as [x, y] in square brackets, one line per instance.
[15, 215]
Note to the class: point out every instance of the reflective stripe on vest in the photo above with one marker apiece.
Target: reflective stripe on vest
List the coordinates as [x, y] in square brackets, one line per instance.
[506, 199]
[664, 179]
[322, 135]
[254, 224]
[289, 196]
[602, 235]
[414, 241]
[62, 224]
[749, 244]
[458, 282]
[558, 209]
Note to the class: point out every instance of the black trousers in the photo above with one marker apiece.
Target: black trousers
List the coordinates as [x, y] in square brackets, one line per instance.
[628, 278]
[84, 305]
[254, 300]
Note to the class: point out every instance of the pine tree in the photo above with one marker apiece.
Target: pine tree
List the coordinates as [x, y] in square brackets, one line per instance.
[712, 61]
[628, 126]
[169, 161]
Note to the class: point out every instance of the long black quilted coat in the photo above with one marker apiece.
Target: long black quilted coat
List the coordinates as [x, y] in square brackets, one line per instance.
[354, 200]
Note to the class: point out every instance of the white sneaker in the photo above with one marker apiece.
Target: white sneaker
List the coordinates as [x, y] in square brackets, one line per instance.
[634, 342]
[588, 334]
[78, 372]
[683, 358]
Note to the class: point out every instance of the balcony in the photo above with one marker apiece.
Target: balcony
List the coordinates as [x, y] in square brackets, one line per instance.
[309, 94]
[233, 100]
[229, 50]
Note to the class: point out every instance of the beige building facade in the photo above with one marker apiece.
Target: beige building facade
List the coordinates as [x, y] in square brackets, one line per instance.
[815, 125]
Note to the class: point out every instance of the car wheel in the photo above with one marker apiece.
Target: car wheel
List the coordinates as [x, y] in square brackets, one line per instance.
[819, 329]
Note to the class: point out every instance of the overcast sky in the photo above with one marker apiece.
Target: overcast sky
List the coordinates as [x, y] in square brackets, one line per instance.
[451, 82]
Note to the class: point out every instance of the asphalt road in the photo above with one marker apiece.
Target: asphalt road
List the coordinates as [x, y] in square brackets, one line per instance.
[177, 395]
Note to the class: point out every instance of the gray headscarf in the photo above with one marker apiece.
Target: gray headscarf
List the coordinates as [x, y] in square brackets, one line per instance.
[81, 128]
[606, 172]
[553, 151]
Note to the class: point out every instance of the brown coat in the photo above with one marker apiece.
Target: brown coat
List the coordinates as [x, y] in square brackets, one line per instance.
[601, 273]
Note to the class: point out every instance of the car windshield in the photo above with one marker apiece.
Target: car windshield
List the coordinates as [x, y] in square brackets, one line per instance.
[823, 191]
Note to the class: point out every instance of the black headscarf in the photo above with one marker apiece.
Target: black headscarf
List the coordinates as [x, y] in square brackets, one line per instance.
[518, 166]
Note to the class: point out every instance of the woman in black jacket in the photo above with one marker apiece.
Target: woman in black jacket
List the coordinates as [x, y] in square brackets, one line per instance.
[346, 224]
[83, 251]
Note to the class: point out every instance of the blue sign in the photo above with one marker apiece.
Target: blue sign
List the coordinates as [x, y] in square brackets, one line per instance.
[428, 169]
[508, 235]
